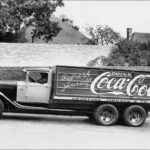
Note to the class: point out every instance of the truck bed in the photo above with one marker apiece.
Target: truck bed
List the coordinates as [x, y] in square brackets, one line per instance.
[111, 84]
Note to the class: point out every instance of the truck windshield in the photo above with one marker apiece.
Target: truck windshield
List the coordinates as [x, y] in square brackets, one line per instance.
[38, 77]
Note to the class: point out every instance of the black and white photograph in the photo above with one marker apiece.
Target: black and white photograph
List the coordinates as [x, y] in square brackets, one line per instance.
[74, 74]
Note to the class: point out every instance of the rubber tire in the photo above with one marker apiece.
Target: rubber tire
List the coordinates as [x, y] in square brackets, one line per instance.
[131, 108]
[99, 109]
[1, 107]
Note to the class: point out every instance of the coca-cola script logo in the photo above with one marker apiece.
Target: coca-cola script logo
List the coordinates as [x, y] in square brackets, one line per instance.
[123, 85]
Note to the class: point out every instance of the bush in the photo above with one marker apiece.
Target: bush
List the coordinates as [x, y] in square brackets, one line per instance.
[125, 53]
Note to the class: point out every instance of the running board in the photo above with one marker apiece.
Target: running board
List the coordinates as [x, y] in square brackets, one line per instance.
[20, 106]
[43, 109]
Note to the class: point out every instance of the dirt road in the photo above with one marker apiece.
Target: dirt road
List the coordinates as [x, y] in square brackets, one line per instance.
[65, 132]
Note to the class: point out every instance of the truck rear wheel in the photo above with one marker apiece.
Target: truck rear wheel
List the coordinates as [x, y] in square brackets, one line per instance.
[134, 115]
[1, 107]
[106, 114]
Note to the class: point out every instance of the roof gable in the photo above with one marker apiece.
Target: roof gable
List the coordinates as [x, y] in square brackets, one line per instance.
[67, 35]
[141, 37]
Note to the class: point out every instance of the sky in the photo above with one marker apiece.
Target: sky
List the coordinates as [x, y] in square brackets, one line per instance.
[119, 15]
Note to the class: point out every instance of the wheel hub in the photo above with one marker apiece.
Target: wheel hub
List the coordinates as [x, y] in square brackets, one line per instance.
[135, 117]
[106, 116]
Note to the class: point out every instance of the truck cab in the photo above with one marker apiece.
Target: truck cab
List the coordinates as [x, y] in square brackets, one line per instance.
[37, 86]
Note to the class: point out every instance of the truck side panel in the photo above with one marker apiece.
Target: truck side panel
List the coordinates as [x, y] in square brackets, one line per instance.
[94, 84]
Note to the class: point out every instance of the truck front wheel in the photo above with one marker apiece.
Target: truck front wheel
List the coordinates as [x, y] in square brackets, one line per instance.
[1, 107]
[106, 114]
[134, 115]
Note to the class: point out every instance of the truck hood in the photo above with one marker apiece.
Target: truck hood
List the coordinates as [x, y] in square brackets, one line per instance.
[8, 84]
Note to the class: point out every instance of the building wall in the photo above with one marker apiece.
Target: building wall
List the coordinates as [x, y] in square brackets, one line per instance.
[49, 54]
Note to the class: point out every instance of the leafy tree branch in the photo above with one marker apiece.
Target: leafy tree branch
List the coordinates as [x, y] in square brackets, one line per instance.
[17, 15]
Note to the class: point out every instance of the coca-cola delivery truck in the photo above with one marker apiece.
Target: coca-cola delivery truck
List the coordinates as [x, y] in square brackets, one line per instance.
[103, 94]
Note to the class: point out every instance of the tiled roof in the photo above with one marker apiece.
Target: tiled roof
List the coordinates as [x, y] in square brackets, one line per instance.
[141, 37]
[67, 35]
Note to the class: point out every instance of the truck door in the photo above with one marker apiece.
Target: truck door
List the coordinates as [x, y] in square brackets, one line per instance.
[36, 89]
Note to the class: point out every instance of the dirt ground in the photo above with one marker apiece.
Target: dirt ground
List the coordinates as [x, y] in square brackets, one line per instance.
[28, 131]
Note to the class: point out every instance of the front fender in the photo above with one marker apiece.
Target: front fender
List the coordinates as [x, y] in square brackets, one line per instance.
[6, 99]
[17, 105]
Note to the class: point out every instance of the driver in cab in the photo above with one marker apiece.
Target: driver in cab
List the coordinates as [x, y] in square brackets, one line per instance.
[43, 78]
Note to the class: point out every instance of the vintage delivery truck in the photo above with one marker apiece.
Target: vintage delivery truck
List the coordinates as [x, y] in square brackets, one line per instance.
[103, 94]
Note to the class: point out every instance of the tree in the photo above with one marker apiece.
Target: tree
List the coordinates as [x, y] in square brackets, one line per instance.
[17, 15]
[101, 35]
[69, 22]
[125, 53]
